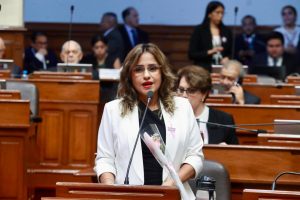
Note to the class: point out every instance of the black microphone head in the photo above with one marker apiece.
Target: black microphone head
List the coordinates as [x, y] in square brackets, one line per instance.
[150, 94]
[236, 9]
[72, 8]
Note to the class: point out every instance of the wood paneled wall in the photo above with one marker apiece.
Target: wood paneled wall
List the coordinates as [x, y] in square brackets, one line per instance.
[173, 40]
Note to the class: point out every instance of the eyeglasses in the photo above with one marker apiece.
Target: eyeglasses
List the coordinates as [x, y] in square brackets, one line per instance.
[188, 91]
[140, 69]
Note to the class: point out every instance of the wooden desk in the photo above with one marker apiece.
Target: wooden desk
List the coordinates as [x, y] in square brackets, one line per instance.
[293, 80]
[256, 166]
[14, 128]
[273, 139]
[219, 98]
[264, 91]
[10, 94]
[61, 75]
[252, 194]
[285, 99]
[5, 74]
[67, 136]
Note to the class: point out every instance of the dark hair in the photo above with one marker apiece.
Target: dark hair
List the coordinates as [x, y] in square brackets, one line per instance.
[292, 8]
[111, 14]
[126, 12]
[249, 17]
[37, 34]
[97, 38]
[275, 35]
[213, 5]
[197, 77]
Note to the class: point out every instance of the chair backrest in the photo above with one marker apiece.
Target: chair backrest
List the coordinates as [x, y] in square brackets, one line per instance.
[220, 174]
[28, 92]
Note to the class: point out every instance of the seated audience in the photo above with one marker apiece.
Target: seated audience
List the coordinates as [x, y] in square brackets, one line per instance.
[275, 57]
[249, 42]
[231, 80]
[16, 70]
[108, 26]
[289, 29]
[38, 56]
[195, 84]
[100, 58]
[130, 31]
[71, 52]
[211, 41]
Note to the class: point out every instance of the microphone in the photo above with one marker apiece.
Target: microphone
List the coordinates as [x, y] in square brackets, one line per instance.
[281, 174]
[234, 127]
[71, 22]
[236, 9]
[149, 97]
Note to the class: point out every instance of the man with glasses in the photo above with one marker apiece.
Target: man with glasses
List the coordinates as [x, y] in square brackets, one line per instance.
[38, 56]
[195, 84]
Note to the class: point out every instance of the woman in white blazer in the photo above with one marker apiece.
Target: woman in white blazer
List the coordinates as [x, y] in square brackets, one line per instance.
[146, 68]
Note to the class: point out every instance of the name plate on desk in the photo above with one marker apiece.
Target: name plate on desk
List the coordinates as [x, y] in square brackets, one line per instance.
[109, 74]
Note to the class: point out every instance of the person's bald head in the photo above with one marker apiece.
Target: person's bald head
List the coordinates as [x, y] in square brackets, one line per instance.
[231, 72]
[71, 52]
[2, 48]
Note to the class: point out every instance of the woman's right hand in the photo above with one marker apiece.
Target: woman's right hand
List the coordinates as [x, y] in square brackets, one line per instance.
[215, 50]
[107, 178]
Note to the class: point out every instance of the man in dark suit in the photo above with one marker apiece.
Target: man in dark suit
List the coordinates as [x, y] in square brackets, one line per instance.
[275, 57]
[131, 34]
[38, 56]
[248, 43]
[231, 80]
[108, 26]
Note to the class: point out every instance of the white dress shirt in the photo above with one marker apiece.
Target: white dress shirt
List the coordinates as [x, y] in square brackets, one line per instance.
[272, 64]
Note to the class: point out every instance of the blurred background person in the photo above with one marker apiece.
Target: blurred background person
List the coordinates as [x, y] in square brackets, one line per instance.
[289, 29]
[38, 56]
[101, 59]
[108, 27]
[195, 84]
[15, 70]
[249, 42]
[211, 42]
[130, 31]
[71, 52]
[231, 80]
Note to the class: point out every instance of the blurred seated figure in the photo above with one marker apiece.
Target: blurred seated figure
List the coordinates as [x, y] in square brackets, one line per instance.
[195, 84]
[289, 29]
[38, 56]
[101, 59]
[249, 42]
[275, 62]
[16, 70]
[231, 80]
[71, 52]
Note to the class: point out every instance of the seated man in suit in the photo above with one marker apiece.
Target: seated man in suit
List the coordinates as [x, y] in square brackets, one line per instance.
[108, 26]
[16, 70]
[249, 42]
[131, 33]
[275, 57]
[38, 56]
[195, 84]
[231, 80]
[71, 52]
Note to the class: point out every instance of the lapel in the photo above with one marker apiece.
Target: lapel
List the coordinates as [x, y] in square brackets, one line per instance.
[132, 127]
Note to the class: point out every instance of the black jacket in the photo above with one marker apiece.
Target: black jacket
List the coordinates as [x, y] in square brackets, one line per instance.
[218, 134]
[115, 44]
[201, 42]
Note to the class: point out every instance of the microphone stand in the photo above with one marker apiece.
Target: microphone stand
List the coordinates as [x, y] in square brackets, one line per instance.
[70, 29]
[233, 32]
[281, 174]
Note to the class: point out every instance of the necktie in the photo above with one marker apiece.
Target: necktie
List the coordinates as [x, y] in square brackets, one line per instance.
[134, 36]
[275, 62]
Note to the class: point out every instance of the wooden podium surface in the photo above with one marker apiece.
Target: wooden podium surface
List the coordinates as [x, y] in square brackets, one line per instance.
[252, 194]
[14, 128]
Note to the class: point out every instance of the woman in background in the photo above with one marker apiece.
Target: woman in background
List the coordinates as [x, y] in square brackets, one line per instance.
[211, 42]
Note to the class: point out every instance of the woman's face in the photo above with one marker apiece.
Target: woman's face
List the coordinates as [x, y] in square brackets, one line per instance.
[216, 16]
[195, 97]
[288, 17]
[99, 49]
[146, 75]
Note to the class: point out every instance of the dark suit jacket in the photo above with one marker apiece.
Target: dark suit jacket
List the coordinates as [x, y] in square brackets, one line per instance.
[218, 134]
[201, 42]
[142, 37]
[289, 62]
[251, 98]
[31, 63]
[115, 44]
[258, 44]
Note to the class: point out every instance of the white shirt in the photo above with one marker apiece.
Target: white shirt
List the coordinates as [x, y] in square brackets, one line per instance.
[203, 117]
[271, 62]
[129, 33]
[290, 37]
[108, 31]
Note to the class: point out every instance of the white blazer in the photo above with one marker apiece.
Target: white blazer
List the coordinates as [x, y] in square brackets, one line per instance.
[117, 135]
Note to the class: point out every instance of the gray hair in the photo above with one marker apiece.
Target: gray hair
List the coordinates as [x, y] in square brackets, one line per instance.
[67, 44]
[236, 65]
